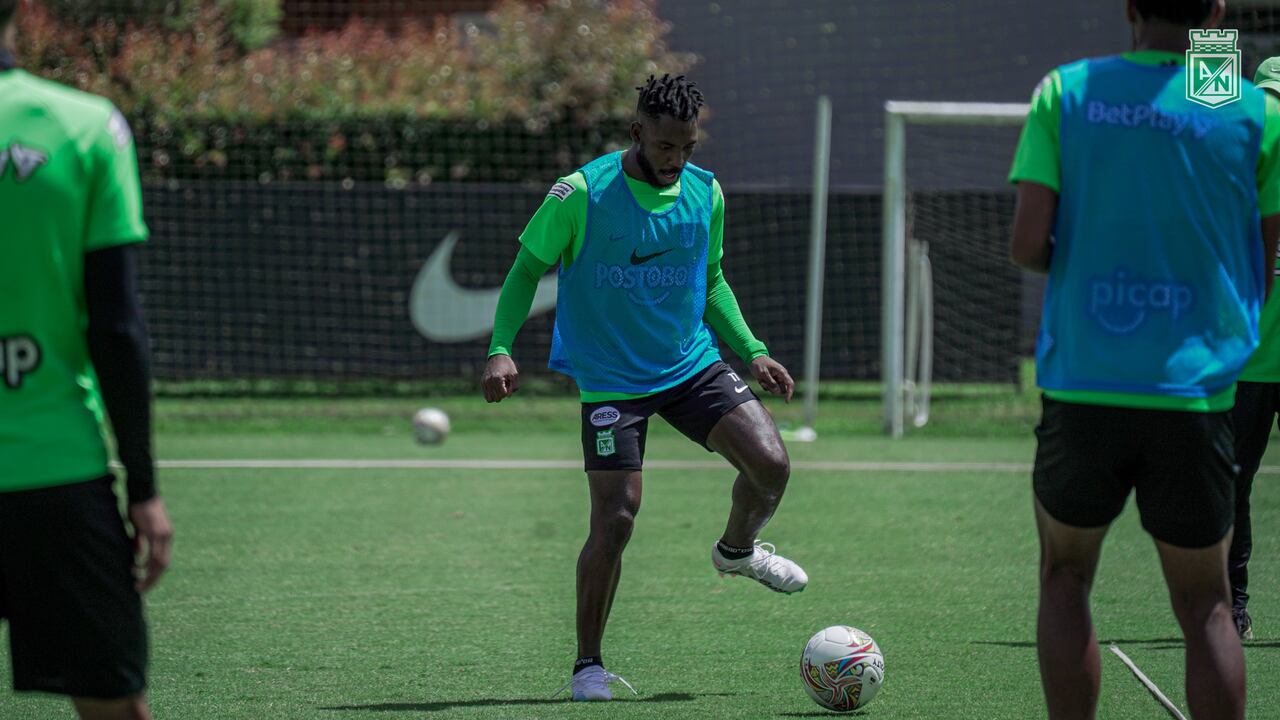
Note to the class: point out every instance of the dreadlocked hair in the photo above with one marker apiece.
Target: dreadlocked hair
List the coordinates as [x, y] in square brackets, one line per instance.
[674, 96]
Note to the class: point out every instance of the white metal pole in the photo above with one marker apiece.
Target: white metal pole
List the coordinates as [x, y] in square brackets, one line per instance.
[894, 240]
[817, 264]
[950, 113]
[924, 381]
[893, 280]
[911, 341]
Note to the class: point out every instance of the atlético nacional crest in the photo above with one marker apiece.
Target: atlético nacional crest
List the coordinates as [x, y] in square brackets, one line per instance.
[1213, 68]
[605, 445]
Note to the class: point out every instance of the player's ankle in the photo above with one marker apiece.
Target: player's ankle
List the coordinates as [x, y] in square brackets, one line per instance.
[731, 552]
[587, 661]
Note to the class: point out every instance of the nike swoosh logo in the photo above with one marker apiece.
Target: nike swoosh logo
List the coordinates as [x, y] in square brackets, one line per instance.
[444, 311]
[740, 390]
[641, 259]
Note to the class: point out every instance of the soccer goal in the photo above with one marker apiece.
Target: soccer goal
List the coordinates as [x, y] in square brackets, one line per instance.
[952, 305]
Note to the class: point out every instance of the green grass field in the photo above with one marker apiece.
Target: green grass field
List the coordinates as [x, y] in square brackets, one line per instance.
[448, 593]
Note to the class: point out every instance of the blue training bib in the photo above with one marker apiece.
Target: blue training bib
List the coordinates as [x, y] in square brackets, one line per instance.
[629, 313]
[1156, 282]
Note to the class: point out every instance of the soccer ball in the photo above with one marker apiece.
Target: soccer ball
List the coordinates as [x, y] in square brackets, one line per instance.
[430, 426]
[842, 668]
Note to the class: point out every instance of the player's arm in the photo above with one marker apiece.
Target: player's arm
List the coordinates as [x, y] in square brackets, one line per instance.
[1031, 246]
[518, 291]
[1269, 187]
[725, 316]
[546, 240]
[723, 313]
[1271, 249]
[1038, 176]
[117, 338]
[501, 376]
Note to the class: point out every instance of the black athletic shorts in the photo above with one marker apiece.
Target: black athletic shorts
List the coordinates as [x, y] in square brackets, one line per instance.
[613, 432]
[67, 592]
[1181, 465]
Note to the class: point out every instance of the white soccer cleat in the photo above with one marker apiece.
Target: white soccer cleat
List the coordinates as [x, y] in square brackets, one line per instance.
[592, 684]
[765, 566]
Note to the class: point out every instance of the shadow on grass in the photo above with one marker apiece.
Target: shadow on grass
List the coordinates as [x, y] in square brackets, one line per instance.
[826, 714]
[509, 702]
[1101, 643]
[1248, 644]
[1005, 643]
[1154, 643]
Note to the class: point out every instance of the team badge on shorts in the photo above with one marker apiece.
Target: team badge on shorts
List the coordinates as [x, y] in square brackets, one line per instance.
[604, 443]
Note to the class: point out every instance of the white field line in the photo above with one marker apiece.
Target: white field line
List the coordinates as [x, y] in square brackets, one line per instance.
[469, 464]
[1151, 687]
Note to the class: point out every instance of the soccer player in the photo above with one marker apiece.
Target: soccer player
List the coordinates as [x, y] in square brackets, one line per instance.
[639, 239]
[1151, 215]
[72, 341]
[1257, 406]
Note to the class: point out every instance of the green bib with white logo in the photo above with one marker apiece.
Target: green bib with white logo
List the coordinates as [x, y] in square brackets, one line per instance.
[68, 186]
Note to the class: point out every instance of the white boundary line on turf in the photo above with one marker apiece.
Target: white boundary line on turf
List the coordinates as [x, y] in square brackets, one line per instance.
[1155, 691]
[468, 464]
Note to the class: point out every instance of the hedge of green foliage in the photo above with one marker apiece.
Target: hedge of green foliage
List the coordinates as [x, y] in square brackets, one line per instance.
[398, 149]
[251, 23]
[541, 86]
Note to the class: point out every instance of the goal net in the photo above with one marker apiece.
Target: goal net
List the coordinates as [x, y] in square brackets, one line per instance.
[954, 308]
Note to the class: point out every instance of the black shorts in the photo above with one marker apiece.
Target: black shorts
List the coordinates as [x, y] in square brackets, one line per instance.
[1181, 465]
[613, 432]
[67, 592]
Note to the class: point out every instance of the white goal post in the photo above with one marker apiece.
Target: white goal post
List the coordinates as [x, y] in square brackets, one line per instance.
[907, 338]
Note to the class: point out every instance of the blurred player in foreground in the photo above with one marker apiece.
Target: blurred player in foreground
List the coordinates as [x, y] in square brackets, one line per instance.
[1151, 215]
[1257, 406]
[639, 238]
[71, 341]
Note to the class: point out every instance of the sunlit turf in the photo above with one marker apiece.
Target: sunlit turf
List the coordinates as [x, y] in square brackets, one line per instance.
[350, 594]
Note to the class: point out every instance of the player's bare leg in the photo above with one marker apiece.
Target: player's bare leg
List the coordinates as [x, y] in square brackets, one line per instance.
[615, 500]
[1065, 639]
[133, 707]
[749, 440]
[1201, 599]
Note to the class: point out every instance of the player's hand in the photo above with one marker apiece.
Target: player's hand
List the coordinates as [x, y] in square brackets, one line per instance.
[773, 377]
[501, 378]
[152, 541]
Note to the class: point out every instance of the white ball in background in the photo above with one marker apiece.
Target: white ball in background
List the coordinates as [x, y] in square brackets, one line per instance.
[430, 426]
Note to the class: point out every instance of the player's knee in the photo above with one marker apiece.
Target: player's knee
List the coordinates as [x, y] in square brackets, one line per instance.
[1196, 609]
[615, 526]
[772, 469]
[1065, 573]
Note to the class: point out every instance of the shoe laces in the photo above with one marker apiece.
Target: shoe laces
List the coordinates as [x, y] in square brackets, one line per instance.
[608, 678]
[767, 559]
